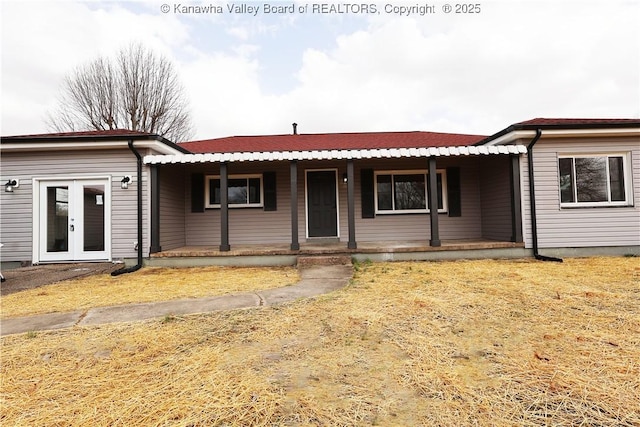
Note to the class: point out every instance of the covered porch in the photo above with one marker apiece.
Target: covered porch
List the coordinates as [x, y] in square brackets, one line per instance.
[376, 203]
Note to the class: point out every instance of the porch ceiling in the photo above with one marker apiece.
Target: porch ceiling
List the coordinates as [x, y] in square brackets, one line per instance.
[334, 154]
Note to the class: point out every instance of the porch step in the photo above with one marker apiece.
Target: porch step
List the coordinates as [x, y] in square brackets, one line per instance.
[315, 260]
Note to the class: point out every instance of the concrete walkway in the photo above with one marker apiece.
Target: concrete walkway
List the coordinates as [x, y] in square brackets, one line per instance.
[315, 280]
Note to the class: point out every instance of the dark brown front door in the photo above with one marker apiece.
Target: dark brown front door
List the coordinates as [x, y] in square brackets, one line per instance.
[322, 204]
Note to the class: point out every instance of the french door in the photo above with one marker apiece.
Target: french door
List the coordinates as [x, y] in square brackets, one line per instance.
[74, 220]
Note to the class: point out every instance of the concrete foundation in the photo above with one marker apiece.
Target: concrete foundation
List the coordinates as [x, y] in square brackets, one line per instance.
[589, 252]
[445, 255]
[222, 261]
[281, 255]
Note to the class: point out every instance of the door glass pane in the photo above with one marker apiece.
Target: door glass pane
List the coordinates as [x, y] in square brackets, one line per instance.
[93, 197]
[57, 219]
[440, 197]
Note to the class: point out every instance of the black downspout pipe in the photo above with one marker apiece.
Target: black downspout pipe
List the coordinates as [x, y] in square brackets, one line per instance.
[139, 186]
[532, 199]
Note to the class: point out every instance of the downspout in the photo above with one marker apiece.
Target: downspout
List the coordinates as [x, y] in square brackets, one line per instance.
[532, 200]
[139, 187]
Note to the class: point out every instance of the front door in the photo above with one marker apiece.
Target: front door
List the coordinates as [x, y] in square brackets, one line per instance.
[74, 220]
[322, 204]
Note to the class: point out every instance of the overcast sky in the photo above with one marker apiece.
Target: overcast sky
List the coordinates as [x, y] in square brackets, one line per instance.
[341, 72]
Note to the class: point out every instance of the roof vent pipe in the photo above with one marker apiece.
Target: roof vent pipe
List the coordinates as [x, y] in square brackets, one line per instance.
[295, 128]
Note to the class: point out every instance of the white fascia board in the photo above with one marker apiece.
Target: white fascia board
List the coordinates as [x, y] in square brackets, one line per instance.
[511, 137]
[562, 133]
[88, 145]
[156, 146]
[591, 132]
[57, 146]
[383, 153]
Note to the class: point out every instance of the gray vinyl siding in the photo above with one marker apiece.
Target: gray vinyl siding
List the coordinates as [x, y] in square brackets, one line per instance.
[580, 227]
[495, 193]
[17, 210]
[246, 225]
[17, 214]
[255, 226]
[172, 207]
[389, 227]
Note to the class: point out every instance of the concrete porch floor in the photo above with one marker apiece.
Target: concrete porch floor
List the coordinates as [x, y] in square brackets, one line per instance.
[375, 251]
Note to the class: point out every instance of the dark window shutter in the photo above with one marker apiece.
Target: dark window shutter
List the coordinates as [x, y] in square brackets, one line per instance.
[453, 190]
[197, 192]
[366, 191]
[270, 198]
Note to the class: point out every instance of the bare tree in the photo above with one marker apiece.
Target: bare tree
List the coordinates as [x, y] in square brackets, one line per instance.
[138, 90]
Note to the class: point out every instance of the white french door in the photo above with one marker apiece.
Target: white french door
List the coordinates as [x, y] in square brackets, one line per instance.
[74, 220]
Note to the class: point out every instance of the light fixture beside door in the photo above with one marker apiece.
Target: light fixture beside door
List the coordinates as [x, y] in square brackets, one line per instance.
[124, 183]
[11, 185]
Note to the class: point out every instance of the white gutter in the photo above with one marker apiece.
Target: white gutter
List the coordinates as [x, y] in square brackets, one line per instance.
[377, 153]
[563, 133]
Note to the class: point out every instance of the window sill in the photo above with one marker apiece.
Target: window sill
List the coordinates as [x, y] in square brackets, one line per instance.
[413, 212]
[591, 206]
[213, 207]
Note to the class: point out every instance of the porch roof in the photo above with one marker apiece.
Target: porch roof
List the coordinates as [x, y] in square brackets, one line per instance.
[376, 153]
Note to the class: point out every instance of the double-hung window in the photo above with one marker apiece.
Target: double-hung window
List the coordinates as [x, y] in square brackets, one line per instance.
[406, 191]
[593, 180]
[243, 191]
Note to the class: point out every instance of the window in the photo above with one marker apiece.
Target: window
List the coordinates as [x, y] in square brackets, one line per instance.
[406, 192]
[593, 180]
[243, 191]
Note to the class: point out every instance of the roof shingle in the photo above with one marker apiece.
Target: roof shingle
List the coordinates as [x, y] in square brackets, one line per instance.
[86, 133]
[576, 122]
[330, 141]
[563, 124]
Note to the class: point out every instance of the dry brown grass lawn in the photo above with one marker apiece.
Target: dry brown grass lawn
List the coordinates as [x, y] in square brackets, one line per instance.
[146, 285]
[443, 343]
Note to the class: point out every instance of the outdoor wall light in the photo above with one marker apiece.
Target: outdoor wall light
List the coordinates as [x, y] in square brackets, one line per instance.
[344, 177]
[11, 185]
[124, 183]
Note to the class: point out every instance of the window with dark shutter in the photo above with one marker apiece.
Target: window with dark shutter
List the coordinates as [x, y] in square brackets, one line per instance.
[405, 191]
[453, 190]
[367, 193]
[270, 197]
[197, 192]
[243, 191]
